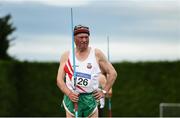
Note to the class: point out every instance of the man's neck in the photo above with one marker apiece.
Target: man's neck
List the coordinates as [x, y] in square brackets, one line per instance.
[82, 51]
[82, 55]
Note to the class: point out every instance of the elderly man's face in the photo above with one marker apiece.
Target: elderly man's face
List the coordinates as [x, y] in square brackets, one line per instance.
[82, 41]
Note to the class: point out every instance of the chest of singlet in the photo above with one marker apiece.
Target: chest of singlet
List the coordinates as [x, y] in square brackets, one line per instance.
[86, 72]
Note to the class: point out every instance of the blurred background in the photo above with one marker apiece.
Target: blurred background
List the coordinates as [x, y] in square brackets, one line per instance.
[144, 43]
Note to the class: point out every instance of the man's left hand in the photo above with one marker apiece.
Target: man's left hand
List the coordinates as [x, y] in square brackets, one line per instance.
[98, 94]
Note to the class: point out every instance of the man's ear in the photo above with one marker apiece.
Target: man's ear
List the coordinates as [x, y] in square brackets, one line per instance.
[75, 40]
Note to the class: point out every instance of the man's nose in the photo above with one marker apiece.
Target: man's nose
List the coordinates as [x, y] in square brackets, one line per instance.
[84, 39]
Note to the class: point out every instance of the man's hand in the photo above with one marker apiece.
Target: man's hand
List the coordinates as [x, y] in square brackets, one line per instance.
[98, 94]
[74, 97]
[108, 95]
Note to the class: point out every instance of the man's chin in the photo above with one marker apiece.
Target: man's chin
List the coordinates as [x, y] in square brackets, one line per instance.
[83, 48]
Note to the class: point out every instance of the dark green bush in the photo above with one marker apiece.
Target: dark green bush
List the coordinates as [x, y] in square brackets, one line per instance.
[8, 92]
[29, 89]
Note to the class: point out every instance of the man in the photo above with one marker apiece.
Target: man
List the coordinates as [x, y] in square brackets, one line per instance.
[89, 63]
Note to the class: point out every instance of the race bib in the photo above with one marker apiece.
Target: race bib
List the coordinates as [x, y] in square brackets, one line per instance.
[83, 79]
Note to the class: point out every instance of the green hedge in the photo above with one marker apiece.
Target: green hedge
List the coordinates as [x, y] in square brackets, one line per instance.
[32, 86]
[29, 89]
[141, 87]
[8, 92]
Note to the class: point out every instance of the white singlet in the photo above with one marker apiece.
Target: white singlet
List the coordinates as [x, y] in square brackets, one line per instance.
[87, 72]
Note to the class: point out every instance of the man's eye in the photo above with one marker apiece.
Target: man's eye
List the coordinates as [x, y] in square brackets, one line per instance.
[83, 37]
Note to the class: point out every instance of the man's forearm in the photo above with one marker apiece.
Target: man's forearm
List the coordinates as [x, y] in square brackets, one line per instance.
[63, 88]
[110, 81]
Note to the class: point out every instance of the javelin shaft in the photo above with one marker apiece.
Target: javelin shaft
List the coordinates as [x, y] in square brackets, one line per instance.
[108, 48]
[73, 50]
[74, 63]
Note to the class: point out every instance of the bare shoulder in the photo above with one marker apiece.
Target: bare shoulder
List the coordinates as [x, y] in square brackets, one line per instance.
[99, 54]
[64, 56]
[97, 51]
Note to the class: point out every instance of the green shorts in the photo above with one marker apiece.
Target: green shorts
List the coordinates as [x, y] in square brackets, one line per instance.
[86, 105]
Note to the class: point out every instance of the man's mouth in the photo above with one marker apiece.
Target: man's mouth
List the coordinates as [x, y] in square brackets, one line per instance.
[84, 42]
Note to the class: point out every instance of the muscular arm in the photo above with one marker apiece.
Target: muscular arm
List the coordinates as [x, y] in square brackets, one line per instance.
[60, 79]
[61, 74]
[106, 68]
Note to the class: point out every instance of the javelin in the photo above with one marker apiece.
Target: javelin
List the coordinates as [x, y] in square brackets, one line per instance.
[74, 63]
[109, 99]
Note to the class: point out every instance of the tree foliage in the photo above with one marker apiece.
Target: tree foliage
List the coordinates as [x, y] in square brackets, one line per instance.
[6, 29]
